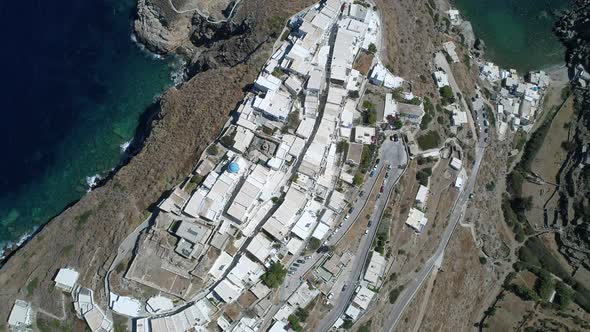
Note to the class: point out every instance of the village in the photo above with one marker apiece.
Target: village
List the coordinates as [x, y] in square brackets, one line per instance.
[252, 236]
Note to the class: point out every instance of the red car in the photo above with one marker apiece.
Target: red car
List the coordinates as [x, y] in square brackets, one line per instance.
[381, 190]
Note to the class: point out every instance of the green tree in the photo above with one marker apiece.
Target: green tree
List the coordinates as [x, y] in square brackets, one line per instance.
[482, 260]
[314, 244]
[447, 95]
[294, 322]
[357, 180]
[275, 275]
[347, 324]
[544, 285]
[302, 314]
[372, 48]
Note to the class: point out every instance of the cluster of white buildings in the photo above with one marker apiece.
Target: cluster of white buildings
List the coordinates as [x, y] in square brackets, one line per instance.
[519, 99]
[255, 174]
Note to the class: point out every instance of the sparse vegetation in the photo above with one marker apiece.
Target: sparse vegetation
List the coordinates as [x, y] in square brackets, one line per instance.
[394, 294]
[429, 140]
[32, 286]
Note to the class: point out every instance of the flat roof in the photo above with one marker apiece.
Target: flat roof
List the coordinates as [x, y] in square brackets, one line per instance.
[222, 263]
[260, 247]
[416, 219]
[67, 277]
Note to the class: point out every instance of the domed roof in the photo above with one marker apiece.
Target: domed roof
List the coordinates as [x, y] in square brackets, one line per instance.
[233, 167]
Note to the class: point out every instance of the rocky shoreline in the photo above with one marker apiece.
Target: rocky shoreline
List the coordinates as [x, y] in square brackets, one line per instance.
[176, 129]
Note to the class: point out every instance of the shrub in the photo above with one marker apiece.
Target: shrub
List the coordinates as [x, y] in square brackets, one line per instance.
[482, 260]
[212, 150]
[347, 324]
[394, 293]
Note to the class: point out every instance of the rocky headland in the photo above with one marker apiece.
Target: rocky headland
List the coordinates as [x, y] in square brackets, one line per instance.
[224, 59]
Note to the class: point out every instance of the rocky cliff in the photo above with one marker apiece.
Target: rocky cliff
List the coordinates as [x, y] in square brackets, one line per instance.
[86, 236]
[574, 186]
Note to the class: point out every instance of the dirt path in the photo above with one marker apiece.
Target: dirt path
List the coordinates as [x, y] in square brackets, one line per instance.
[425, 301]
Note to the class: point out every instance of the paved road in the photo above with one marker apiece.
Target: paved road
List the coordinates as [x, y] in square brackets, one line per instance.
[393, 153]
[457, 213]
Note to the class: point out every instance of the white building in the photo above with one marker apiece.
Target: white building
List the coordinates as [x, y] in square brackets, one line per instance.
[422, 197]
[66, 279]
[20, 316]
[375, 269]
[417, 220]
[364, 135]
[456, 163]
[441, 78]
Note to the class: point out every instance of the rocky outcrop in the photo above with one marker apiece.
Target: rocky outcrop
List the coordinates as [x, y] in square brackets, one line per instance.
[573, 29]
[159, 27]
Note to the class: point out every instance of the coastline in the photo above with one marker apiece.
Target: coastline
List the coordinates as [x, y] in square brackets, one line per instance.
[133, 146]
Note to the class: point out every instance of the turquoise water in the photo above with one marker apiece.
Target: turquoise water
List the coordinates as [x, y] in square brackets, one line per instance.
[518, 33]
[74, 86]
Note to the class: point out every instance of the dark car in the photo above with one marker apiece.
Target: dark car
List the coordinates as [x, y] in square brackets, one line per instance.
[382, 188]
[377, 161]
[372, 173]
[362, 193]
[323, 249]
[343, 288]
[351, 209]
[370, 223]
[395, 138]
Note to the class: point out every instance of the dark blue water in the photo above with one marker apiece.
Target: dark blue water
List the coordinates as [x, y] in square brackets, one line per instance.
[72, 87]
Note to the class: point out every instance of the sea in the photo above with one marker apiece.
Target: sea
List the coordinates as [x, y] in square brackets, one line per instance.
[73, 86]
[517, 33]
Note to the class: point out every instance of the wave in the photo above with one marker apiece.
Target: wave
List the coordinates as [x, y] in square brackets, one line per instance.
[144, 49]
[92, 181]
[13, 246]
[125, 146]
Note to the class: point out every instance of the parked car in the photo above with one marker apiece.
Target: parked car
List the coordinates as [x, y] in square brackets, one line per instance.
[300, 261]
[296, 265]
[351, 209]
[362, 193]
[389, 167]
[370, 222]
[377, 161]
[372, 173]
[331, 295]
[343, 288]
[307, 257]
[395, 138]
[381, 189]
[366, 231]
